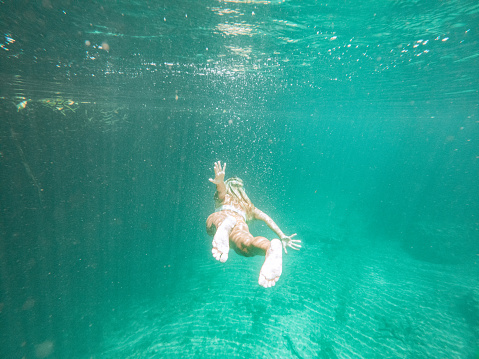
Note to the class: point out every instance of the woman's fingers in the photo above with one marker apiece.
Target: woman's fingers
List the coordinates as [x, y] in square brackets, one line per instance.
[295, 244]
[218, 168]
[292, 243]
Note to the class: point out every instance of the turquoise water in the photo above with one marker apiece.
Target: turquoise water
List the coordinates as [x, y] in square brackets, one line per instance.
[353, 125]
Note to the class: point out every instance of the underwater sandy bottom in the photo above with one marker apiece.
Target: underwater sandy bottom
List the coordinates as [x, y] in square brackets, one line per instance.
[335, 299]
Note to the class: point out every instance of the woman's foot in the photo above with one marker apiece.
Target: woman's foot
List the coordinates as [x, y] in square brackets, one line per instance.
[221, 240]
[273, 265]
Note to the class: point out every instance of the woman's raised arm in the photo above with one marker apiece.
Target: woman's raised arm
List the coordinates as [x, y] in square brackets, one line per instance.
[219, 180]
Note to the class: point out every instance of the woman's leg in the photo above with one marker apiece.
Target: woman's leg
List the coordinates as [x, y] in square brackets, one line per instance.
[250, 246]
[272, 266]
[221, 241]
[246, 244]
[220, 226]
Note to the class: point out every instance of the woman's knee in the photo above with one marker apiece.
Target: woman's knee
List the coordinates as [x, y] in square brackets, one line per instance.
[241, 238]
[213, 222]
[261, 242]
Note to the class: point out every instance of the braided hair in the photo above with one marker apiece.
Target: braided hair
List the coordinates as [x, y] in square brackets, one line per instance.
[235, 190]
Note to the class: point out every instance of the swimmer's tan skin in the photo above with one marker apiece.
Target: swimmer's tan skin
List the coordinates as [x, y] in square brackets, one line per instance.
[229, 228]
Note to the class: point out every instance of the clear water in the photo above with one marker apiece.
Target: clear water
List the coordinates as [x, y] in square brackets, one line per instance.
[354, 125]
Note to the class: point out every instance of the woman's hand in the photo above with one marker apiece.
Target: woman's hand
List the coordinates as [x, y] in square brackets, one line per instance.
[219, 173]
[289, 242]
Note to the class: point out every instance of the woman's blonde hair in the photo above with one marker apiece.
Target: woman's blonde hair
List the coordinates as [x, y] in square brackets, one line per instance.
[235, 190]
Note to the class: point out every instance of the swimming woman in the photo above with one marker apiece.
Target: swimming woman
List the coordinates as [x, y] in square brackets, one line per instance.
[228, 227]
